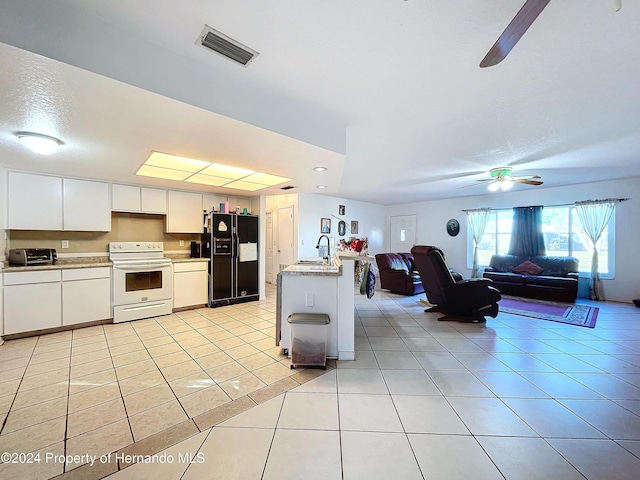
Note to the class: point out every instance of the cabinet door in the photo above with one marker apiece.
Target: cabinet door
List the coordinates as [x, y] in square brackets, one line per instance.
[86, 205]
[34, 202]
[125, 198]
[212, 202]
[184, 213]
[190, 288]
[235, 202]
[154, 200]
[86, 300]
[32, 307]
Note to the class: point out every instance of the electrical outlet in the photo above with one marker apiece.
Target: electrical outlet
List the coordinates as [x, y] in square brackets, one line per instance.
[309, 300]
[182, 243]
[65, 243]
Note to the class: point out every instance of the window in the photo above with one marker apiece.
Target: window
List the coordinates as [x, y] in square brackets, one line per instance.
[496, 238]
[563, 235]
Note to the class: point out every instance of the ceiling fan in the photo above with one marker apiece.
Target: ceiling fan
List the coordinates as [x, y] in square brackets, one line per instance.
[514, 31]
[502, 179]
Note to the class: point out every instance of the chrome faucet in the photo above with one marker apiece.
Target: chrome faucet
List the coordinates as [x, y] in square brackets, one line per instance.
[328, 246]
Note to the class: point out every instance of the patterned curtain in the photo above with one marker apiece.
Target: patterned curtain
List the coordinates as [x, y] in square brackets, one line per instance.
[478, 223]
[527, 239]
[594, 216]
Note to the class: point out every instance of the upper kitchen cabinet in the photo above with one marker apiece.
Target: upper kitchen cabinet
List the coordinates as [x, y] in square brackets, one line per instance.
[34, 202]
[42, 202]
[132, 199]
[153, 200]
[86, 205]
[210, 201]
[235, 202]
[184, 212]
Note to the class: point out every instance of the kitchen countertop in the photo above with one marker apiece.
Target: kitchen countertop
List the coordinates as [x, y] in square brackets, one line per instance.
[183, 258]
[86, 262]
[62, 263]
[312, 269]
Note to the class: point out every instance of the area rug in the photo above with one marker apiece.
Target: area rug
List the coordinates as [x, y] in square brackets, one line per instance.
[570, 313]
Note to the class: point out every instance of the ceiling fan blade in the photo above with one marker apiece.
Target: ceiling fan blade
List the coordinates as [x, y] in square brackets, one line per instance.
[514, 31]
[526, 177]
[526, 181]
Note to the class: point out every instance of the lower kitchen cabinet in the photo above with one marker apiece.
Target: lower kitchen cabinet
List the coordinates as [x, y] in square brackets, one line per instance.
[45, 299]
[86, 295]
[190, 284]
[32, 301]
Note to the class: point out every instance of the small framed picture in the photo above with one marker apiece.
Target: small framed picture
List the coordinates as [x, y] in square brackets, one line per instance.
[325, 225]
[342, 228]
[341, 210]
[354, 227]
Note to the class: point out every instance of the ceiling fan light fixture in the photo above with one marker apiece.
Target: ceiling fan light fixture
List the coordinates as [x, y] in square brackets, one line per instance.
[39, 143]
[506, 184]
[494, 187]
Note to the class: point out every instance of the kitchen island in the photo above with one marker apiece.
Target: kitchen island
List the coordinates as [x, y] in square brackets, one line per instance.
[316, 288]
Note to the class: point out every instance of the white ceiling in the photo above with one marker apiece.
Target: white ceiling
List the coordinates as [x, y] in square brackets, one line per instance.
[387, 93]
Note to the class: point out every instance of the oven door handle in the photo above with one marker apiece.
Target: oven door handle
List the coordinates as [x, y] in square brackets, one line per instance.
[142, 268]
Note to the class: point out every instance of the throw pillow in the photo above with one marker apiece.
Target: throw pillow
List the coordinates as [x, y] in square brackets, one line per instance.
[528, 268]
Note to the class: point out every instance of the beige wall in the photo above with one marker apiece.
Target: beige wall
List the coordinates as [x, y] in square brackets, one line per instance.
[125, 227]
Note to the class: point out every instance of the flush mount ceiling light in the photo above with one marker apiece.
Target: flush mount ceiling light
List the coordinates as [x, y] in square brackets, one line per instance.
[320, 169]
[172, 167]
[41, 144]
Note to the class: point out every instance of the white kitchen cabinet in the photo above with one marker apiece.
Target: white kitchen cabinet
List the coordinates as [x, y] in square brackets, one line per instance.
[43, 202]
[190, 284]
[34, 202]
[86, 295]
[32, 301]
[134, 199]
[210, 200]
[125, 198]
[241, 202]
[184, 212]
[86, 205]
[154, 200]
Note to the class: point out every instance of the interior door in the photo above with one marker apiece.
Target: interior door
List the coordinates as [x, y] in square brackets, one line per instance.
[402, 230]
[269, 248]
[285, 237]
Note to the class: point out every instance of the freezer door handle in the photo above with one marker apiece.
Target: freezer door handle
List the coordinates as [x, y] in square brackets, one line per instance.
[236, 245]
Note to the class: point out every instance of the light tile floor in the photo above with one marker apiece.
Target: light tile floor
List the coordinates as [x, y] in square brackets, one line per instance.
[514, 398]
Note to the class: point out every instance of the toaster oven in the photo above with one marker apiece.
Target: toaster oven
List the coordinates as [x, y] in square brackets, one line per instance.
[32, 256]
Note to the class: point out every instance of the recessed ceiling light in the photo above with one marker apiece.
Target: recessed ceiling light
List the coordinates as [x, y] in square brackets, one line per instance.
[321, 186]
[41, 144]
[320, 169]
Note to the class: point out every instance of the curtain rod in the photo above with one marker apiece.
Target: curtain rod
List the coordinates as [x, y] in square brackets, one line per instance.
[556, 205]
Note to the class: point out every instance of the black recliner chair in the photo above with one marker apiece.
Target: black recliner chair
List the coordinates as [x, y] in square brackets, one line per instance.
[467, 300]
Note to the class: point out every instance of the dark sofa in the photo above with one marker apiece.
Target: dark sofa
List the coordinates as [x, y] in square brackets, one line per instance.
[398, 273]
[556, 278]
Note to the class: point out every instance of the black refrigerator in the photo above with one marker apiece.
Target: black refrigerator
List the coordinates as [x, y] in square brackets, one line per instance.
[231, 242]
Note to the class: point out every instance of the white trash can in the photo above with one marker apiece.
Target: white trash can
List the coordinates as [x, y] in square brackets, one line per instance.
[308, 339]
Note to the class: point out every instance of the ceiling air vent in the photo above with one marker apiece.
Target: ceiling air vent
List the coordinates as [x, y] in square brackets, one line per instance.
[226, 46]
[288, 187]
